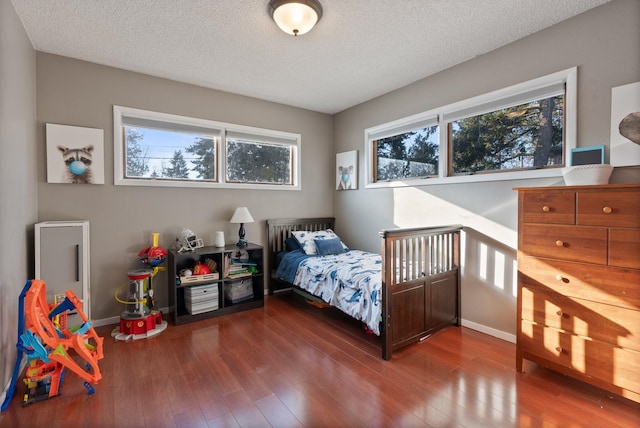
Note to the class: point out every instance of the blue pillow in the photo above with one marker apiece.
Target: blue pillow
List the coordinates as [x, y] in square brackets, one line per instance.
[292, 244]
[307, 239]
[328, 247]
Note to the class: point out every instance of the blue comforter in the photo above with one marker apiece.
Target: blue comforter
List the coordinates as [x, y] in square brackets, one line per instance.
[350, 281]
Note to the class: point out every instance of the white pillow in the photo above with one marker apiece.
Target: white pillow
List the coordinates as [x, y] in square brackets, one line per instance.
[306, 239]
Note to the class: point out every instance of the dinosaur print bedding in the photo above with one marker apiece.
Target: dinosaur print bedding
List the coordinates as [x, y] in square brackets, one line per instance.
[350, 281]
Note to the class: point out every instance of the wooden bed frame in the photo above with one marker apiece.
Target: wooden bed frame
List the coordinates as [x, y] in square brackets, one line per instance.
[420, 277]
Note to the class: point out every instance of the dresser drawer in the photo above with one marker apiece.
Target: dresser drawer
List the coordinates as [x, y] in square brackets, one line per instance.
[606, 323]
[624, 248]
[548, 207]
[618, 209]
[603, 361]
[614, 286]
[584, 244]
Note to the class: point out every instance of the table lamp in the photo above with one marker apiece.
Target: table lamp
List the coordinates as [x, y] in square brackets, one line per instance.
[242, 216]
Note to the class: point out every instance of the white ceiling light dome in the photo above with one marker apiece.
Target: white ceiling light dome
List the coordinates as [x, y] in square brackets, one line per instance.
[296, 17]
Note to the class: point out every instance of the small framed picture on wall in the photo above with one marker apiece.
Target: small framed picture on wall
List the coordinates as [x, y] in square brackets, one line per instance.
[347, 170]
[75, 154]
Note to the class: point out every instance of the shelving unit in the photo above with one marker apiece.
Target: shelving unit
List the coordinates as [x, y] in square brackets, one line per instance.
[222, 256]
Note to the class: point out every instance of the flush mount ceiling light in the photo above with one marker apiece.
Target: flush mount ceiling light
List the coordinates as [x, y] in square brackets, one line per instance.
[295, 17]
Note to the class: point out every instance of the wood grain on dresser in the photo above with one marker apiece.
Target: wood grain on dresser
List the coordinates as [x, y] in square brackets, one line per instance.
[579, 283]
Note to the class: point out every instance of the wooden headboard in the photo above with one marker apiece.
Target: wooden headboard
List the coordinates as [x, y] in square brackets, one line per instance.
[278, 230]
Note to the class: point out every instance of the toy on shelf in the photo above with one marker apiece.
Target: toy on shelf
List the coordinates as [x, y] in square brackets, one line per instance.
[140, 318]
[199, 273]
[51, 347]
[187, 241]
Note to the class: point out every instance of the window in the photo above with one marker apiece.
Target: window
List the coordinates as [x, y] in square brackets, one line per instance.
[153, 153]
[513, 132]
[157, 149]
[252, 159]
[407, 151]
[523, 131]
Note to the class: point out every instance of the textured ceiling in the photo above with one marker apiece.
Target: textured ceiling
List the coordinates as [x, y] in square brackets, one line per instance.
[359, 50]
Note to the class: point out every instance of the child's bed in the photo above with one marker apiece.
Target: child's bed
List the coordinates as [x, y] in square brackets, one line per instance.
[403, 295]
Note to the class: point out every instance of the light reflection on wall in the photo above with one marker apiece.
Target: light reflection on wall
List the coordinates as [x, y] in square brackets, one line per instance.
[488, 257]
[416, 208]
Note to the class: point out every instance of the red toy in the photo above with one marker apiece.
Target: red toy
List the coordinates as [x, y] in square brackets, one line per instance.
[140, 319]
[201, 269]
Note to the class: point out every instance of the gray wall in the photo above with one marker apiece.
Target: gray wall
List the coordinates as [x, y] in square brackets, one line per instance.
[605, 45]
[17, 176]
[72, 92]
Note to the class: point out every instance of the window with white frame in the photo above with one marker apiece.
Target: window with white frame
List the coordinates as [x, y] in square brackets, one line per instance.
[408, 151]
[523, 131]
[258, 159]
[158, 149]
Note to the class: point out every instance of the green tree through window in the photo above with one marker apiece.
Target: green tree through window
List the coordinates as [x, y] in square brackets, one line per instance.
[137, 156]
[178, 166]
[411, 154]
[254, 162]
[204, 159]
[524, 136]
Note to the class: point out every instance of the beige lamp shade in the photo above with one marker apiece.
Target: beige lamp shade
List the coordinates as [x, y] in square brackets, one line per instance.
[242, 216]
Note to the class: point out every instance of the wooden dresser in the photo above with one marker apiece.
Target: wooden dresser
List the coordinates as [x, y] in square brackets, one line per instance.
[579, 283]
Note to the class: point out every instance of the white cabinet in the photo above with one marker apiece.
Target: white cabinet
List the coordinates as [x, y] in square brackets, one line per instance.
[62, 259]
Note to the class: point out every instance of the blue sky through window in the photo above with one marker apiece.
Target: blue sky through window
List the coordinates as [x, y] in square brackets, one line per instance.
[160, 145]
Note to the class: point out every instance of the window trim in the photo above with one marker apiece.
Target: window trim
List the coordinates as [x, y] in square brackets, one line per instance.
[567, 77]
[223, 128]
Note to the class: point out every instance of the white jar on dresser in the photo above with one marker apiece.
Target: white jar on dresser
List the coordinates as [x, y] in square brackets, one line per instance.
[579, 283]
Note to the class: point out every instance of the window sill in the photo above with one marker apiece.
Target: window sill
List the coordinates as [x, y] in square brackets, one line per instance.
[202, 185]
[471, 178]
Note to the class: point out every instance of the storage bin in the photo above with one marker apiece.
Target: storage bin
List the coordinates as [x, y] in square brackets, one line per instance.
[239, 290]
[201, 298]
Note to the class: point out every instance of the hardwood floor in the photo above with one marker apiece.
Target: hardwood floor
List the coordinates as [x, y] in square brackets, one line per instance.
[290, 364]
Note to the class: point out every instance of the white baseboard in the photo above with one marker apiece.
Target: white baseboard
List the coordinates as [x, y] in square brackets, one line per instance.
[490, 331]
[465, 323]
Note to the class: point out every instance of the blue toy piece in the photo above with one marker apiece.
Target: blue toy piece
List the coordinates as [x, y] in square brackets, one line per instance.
[20, 345]
[29, 340]
[89, 387]
[66, 305]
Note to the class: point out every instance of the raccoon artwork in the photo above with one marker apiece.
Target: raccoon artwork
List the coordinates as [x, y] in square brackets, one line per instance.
[78, 164]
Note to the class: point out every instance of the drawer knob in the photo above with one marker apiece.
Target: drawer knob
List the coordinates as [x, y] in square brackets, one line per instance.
[559, 243]
[559, 349]
[607, 210]
[546, 208]
[560, 313]
[561, 278]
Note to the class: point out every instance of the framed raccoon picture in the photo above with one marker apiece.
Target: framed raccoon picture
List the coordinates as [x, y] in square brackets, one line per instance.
[75, 155]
